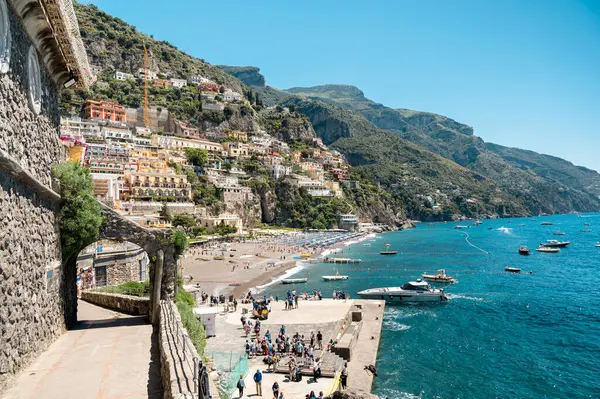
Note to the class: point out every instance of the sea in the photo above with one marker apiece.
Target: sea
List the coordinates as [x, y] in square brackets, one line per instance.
[502, 335]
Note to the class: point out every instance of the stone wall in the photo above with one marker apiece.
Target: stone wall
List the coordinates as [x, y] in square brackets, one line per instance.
[178, 356]
[122, 303]
[31, 314]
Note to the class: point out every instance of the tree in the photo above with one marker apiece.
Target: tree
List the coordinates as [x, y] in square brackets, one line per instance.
[181, 243]
[225, 229]
[184, 220]
[196, 156]
[165, 213]
[80, 215]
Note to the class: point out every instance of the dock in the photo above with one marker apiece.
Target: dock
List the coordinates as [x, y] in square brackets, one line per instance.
[354, 324]
[341, 260]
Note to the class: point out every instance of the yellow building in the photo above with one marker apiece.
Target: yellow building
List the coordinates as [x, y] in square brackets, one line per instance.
[76, 153]
[237, 135]
[237, 150]
[154, 185]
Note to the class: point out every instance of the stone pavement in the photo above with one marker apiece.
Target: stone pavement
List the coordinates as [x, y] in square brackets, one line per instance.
[108, 355]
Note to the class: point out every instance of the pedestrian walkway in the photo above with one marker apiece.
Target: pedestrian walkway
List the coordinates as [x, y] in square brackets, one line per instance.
[108, 355]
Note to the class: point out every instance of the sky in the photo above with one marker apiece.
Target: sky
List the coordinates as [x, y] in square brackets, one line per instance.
[523, 73]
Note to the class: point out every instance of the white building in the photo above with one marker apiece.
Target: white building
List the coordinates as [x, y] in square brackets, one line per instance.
[313, 187]
[175, 143]
[141, 73]
[77, 127]
[178, 82]
[142, 131]
[123, 75]
[279, 171]
[116, 133]
[219, 107]
[230, 95]
[197, 79]
[210, 222]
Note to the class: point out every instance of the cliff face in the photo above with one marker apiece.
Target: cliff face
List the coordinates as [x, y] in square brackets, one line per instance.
[286, 125]
[249, 75]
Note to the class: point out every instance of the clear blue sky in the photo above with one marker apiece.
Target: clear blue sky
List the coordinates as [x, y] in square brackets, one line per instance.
[522, 73]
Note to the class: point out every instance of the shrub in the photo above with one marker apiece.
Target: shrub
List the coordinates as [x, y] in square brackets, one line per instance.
[191, 323]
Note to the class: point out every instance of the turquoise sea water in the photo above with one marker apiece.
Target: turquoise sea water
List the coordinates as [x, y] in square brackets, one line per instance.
[501, 335]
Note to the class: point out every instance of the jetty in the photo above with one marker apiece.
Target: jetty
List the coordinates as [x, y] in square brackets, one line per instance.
[341, 260]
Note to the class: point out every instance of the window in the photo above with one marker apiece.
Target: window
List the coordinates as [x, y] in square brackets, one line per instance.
[35, 83]
[4, 38]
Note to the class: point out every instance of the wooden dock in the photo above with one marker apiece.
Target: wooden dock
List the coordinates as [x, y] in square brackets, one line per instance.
[341, 260]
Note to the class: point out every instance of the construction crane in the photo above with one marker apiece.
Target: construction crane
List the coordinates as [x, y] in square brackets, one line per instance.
[146, 105]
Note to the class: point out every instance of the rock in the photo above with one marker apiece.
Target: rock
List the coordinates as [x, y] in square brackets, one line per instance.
[351, 393]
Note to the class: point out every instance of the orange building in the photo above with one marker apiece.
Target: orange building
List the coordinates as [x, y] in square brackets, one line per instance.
[103, 109]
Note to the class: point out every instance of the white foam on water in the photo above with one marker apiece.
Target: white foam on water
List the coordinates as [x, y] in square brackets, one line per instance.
[407, 311]
[300, 265]
[396, 394]
[391, 325]
[505, 230]
[459, 296]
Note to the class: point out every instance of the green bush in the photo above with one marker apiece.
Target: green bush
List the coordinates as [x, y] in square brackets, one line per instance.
[136, 288]
[195, 329]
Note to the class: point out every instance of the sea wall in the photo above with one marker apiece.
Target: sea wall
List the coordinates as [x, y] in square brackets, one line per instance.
[122, 303]
[31, 312]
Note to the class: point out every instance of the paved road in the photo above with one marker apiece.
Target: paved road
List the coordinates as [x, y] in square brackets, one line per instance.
[108, 355]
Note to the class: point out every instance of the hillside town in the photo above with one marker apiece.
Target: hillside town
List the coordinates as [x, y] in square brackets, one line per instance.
[139, 170]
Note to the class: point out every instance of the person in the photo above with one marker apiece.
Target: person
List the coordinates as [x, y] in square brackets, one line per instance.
[291, 366]
[345, 376]
[312, 395]
[296, 301]
[282, 330]
[240, 386]
[275, 389]
[320, 395]
[247, 348]
[320, 340]
[317, 370]
[258, 381]
[234, 305]
[281, 395]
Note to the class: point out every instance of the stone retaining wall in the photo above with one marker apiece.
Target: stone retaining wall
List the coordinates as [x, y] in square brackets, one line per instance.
[178, 356]
[122, 303]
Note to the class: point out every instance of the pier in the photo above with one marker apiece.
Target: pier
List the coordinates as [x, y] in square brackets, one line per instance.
[341, 260]
[354, 324]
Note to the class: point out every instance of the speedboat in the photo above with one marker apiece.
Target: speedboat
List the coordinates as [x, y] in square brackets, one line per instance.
[555, 244]
[440, 277]
[512, 269]
[586, 224]
[598, 245]
[461, 227]
[294, 280]
[551, 250]
[585, 230]
[413, 291]
[559, 233]
[337, 277]
[546, 223]
[524, 251]
[477, 223]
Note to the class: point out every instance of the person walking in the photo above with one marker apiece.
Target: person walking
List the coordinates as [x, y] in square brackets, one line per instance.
[258, 381]
[345, 376]
[275, 390]
[296, 301]
[240, 386]
[320, 340]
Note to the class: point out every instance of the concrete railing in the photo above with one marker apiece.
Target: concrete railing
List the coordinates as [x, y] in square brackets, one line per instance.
[179, 359]
[123, 303]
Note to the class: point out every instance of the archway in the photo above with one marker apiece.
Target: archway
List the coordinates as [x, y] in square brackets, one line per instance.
[157, 243]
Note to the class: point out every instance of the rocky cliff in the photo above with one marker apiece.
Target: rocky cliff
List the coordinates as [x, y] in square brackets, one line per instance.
[249, 75]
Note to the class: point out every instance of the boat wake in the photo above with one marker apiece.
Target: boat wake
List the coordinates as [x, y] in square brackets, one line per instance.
[459, 296]
[391, 325]
[300, 265]
[505, 230]
[406, 312]
[473, 245]
[396, 394]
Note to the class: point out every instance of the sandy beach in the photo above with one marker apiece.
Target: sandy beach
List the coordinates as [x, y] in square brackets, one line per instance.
[249, 264]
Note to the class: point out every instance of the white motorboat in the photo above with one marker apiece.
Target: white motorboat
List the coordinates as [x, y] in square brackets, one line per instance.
[598, 245]
[555, 244]
[439, 277]
[337, 277]
[413, 291]
[551, 250]
[477, 223]
[461, 227]
[294, 280]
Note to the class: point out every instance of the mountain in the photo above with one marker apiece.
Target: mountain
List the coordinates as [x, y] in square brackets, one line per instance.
[250, 75]
[545, 183]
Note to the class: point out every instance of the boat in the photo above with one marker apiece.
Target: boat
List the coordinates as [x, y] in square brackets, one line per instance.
[430, 224]
[305, 255]
[548, 250]
[559, 233]
[337, 277]
[460, 226]
[598, 245]
[586, 224]
[294, 280]
[546, 223]
[477, 223]
[524, 251]
[440, 277]
[555, 244]
[512, 269]
[413, 291]
[218, 257]
[387, 251]
[585, 230]
[504, 229]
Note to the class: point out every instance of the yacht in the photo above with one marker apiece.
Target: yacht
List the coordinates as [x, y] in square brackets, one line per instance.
[524, 251]
[555, 244]
[548, 249]
[439, 277]
[512, 269]
[413, 291]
